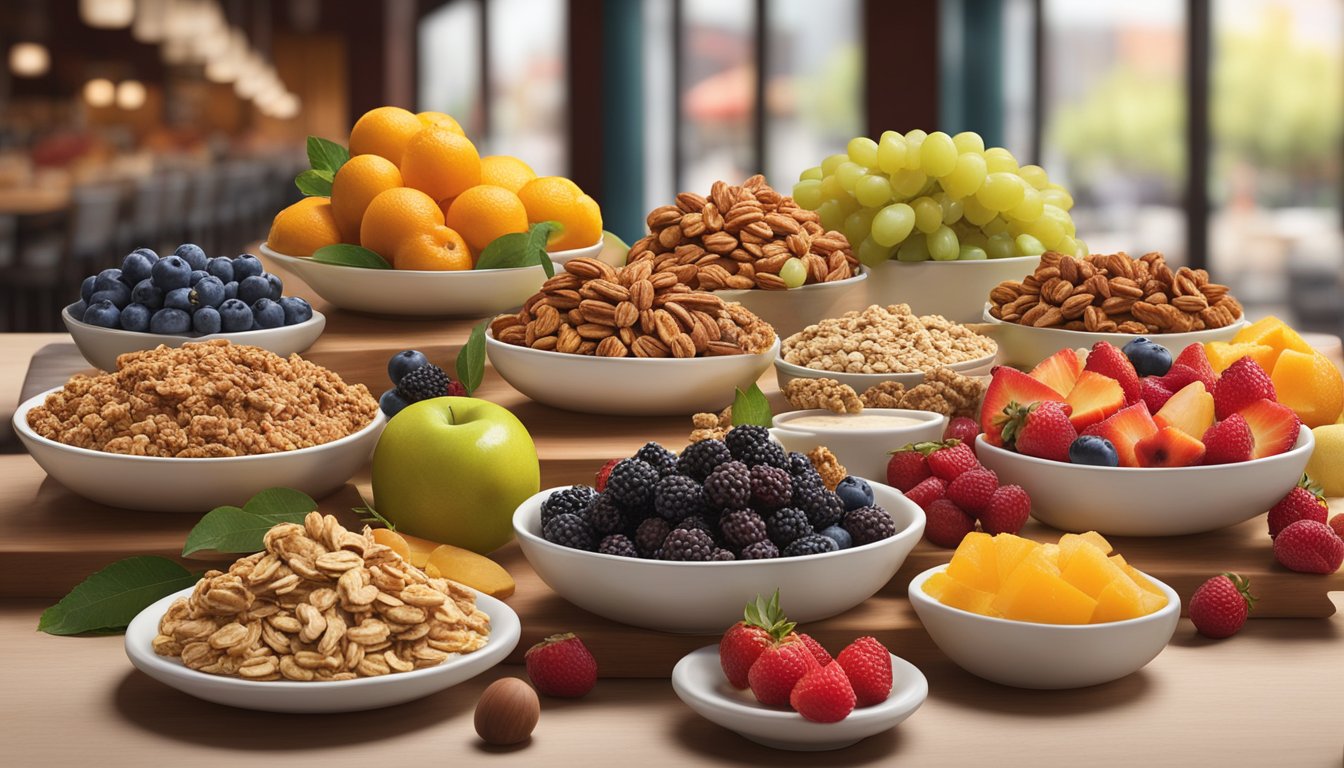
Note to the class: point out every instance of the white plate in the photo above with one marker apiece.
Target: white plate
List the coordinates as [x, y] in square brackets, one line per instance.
[954, 289]
[793, 310]
[699, 681]
[318, 697]
[786, 372]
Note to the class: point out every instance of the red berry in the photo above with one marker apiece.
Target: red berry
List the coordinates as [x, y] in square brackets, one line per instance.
[1303, 502]
[1241, 384]
[600, 480]
[868, 665]
[823, 695]
[906, 468]
[1308, 546]
[455, 389]
[962, 428]
[1107, 359]
[1153, 393]
[928, 491]
[946, 524]
[1337, 524]
[1042, 430]
[1219, 607]
[779, 669]
[952, 460]
[1007, 511]
[561, 666]
[971, 490]
[762, 625]
[815, 648]
[1228, 441]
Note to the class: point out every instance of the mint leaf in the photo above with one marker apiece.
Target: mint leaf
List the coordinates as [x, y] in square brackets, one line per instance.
[324, 155]
[470, 363]
[110, 598]
[314, 183]
[234, 529]
[348, 255]
[751, 407]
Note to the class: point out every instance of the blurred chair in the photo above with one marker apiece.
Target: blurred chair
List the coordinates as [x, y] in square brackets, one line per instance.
[144, 225]
[173, 211]
[203, 209]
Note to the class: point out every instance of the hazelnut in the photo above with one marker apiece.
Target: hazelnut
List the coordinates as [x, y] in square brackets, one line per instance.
[507, 712]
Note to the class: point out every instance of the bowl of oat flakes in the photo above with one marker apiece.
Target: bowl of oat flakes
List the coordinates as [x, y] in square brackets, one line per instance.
[190, 428]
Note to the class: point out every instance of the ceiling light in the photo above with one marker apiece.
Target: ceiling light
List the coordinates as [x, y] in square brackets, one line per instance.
[150, 20]
[100, 92]
[29, 60]
[107, 14]
[131, 94]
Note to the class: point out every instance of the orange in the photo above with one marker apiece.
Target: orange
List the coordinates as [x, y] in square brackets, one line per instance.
[384, 131]
[396, 215]
[485, 212]
[1310, 384]
[506, 171]
[304, 227]
[440, 120]
[441, 163]
[356, 184]
[441, 249]
[555, 198]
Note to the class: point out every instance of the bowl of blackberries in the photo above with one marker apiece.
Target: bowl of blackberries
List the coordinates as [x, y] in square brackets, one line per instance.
[678, 542]
[186, 296]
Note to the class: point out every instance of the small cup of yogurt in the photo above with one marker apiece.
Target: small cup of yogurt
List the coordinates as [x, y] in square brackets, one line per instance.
[861, 441]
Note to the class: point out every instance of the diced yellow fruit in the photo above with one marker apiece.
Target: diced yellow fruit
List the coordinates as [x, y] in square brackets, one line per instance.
[1046, 598]
[466, 567]
[1153, 603]
[1143, 581]
[1051, 552]
[1310, 384]
[1090, 571]
[1070, 543]
[1252, 333]
[1121, 599]
[1027, 572]
[1009, 552]
[951, 592]
[973, 564]
[420, 549]
[1098, 541]
[1189, 410]
[1221, 354]
[390, 538]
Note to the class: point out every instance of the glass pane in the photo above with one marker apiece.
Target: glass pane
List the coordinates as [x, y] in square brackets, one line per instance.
[1115, 120]
[1276, 107]
[718, 74]
[450, 64]
[658, 102]
[528, 102]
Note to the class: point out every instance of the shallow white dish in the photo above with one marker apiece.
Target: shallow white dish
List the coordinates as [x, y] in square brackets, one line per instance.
[786, 372]
[593, 252]
[699, 681]
[626, 385]
[708, 597]
[318, 697]
[101, 346]
[793, 310]
[862, 452]
[161, 484]
[956, 290]
[462, 293]
[1025, 654]
[1138, 501]
[1025, 346]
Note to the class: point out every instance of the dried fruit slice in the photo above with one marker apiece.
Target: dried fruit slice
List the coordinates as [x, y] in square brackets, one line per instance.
[466, 567]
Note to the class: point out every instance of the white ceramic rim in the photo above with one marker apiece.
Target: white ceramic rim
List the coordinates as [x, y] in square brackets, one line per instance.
[1111, 337]
[491, 341]
[961, 262]
[570, 253]
[925, 418]
[803, 372]
[284, 257]
[1305, 442]
[20, 422]
[732, 294]
[240, 337]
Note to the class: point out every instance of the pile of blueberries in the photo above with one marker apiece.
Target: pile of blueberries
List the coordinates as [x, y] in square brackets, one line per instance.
[187, 292]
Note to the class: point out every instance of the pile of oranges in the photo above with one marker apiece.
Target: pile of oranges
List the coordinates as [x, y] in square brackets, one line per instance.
[416, 192]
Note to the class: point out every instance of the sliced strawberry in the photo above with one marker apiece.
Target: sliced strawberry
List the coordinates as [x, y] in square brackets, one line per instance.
[1126, 427]
[1195, 358]
[1190, 409]
[1153, 393]
[1107, 359]
[1059, 371]
[1169, 447]
[1010, 385]
[1093, 398]
[1274, 427]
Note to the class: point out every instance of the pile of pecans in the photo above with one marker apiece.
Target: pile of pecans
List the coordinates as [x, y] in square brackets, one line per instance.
[593, 308]
[740, 237]
[1113, 293]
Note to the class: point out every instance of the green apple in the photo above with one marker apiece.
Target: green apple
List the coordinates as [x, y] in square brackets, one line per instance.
[453, 470]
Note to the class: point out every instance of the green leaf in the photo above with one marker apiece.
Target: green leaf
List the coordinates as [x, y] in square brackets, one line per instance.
[470, 363]
[324, 155]
[314, 183]
[231, 529]
[110, 598]
[280, 503]
[367, 514]
[538, 235]
[348, 255]
[751, 407]
[518, 249]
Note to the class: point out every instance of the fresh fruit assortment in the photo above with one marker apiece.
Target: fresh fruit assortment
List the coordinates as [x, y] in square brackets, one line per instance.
[561, 666]
[1219, 607]
[742, 236]
[1304, 379]
[955, 491]
[1076, 581]
[414, 378]
[922, 196]
[187, 294]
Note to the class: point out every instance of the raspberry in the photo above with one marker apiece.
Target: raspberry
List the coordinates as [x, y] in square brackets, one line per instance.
[929, 490]
[751, 445]
[815, 648]
[947, 524]
[617, 544]
[569, 530]
[573, 500]
[687, 545]
[906, 468]
[1309, 546]
[1219, 607]
[771, 487]
[658, 457]
[1007, 511]
[811, 544]
[423, 383]
[741, 527]
[722, 555]
[455, 389]
[649, 536]
[604, 515]
[867, 663]
[699, 459]
[971, 490]
[677, 496]
[787, 524]
[823, 507]
[631, 483]
[760, 550]
[949, 462]
[600, 479]
[729, 486]
[868, 524]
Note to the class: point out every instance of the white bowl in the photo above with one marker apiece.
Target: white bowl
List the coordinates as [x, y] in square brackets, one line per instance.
[592, 251]
[1025, 346]
[786, 372]
[1025, 654]
[862, 451]
[699, 681]
[707, 598]
[1137, 501]
[793, 310]
[319, 696]
[162, 484]
[460, 293]
[626, 385]
[956, 290]
[101, 346]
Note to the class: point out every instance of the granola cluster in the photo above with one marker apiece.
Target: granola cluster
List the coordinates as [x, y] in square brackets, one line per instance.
[885, 340]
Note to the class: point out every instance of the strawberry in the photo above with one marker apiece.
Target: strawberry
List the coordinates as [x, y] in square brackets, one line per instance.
[561, 666]
[908, 465]
[1219, 607]
[1309, 546]
[1107, 359]
[1042, 430]
[971, 490]
[1007, 511]
[1093, 398]
[962, 428]
[823, 695]
[1337, 525]
[1229, 441]
[1169, 447]
[1009, 385]
[1194, 358]
[1241, 384]
[817, 650]
[1304, 502]
[778, 669]
[1274, 427]
[763, 624]
[929, 490]
[1059, 371]
[868, 665]
[1125, 428]
[952, 459]
[946, 524]
[1154, 393]
[1179, 377]
[600, 480]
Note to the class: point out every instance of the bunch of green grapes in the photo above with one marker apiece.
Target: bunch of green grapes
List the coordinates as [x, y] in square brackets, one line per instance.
[923, 196]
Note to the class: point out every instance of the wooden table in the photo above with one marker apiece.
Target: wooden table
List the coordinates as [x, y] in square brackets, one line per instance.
[1271, 695]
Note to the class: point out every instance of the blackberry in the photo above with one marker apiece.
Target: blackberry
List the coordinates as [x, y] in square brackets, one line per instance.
[785, 525]
[573, 500]
[688, 545]
[649, 536]
[811, 544]
[729, 486]
[677, 496]
[741, 527]
[771, 487]
[423, 383]
[752, 445]
[695, 523]
[721, 554]
[604, 514]
[658, 457]
[760, 550]
[823, 507]
[799, 464]
[569, 530]
[631, 483]
[617, 544]
[869, 524]
[699, 459]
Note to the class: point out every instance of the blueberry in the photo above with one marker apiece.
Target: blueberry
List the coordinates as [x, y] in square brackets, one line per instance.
[192, 254]
[235, 316]
[839, 535]
[78, 308]
[252, 288]
[135, 317]
[103, 314]
[106, 279]
[1148, 357]
[136, 266]
[171, 273]
[206, 320]
[1094, 450]
[855, 492]
[246, 265]
[117, 293]
[403, 363]
[208, 293]
[221, 267]
[147, 293]
[147, 253]
[277, 287]
[170, 320]
[391, 402]
[231, 290]
[268, 314]
[178, 298]
[296, 310]
[197, 275]
[86, 287]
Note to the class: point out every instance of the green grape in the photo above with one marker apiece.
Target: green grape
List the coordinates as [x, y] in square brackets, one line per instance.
[893, 224]
[891, 152]
[811, 174]
[872, 254]
[831, 189]
[966, 178]
[937, 154]
[916, 135]
[928, 214]
[831, 214]
[970, 252]
[952, 209]
[1001, 191]
[807, 194]
[863, 151]
[1027, 245]
[1000, 160]
[847, 205]
[915, 248]
[1065, 244]
[832, 162]
[908, 183]
[1001, 246]
[969, 141]
[976, 213]
[914, 141]
[971, 236]
[994, 226]
[1080, 248]
[858, 224]
[873, 190]
[1055, 195]
[1034, 175]
[793, 273]
[1060, 217]
[1030, 207]
[943, 245]
[849, 174]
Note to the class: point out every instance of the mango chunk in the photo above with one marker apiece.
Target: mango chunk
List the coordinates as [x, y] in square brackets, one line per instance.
[949, 591]
[1090, 571]
[466, 567]
[1046, 598]
[1120, 600]
[1010, 550]
[974, 563]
